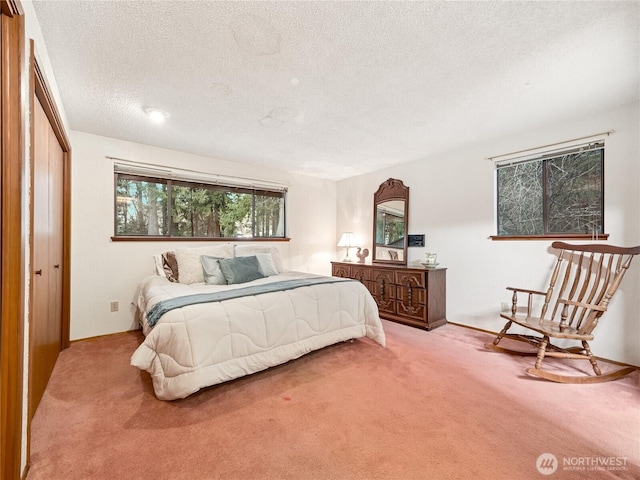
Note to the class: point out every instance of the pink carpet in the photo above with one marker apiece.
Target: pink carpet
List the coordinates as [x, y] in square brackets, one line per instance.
[432, 405]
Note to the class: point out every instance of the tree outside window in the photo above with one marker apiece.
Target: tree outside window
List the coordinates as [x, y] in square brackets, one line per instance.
[159, 207]
[561, 194]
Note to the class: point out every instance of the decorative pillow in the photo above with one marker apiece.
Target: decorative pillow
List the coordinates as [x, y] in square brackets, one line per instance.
[267, 267]
[211, 271]
[157, 266]
[240, 269]
[189, 265]
[248, 250]
[170, 266]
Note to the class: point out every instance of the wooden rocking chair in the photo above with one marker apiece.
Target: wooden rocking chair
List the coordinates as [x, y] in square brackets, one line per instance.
[589, 276]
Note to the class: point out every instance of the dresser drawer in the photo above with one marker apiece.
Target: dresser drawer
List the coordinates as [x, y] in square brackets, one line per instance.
[409, 278]
[382, 284]
[360, 273]
[411, 295]
[339, 270]
[416, 311]
[383, 290]
[386, 306]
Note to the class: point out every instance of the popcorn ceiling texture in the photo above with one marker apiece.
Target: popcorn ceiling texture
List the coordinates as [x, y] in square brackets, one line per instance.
[363, 85]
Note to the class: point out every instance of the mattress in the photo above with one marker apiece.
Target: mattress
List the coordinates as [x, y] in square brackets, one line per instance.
[204, 344]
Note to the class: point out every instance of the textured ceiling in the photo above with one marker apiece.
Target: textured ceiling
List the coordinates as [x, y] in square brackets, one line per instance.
[336, 89]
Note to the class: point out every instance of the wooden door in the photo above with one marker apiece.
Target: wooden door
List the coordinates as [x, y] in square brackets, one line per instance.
[56, 202]
[46, 327]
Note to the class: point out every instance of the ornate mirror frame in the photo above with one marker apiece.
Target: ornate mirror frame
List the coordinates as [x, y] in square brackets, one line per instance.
[391, 200]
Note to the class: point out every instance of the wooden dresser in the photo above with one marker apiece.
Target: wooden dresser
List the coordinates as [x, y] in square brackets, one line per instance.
[413, 296]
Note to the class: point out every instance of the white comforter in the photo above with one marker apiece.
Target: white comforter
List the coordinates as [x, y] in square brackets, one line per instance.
[200, 345]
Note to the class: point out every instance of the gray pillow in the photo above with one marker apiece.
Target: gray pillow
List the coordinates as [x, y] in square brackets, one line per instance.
[211, 270]
[240, 269]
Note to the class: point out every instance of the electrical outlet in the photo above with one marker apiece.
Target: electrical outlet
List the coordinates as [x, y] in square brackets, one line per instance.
[114, 306]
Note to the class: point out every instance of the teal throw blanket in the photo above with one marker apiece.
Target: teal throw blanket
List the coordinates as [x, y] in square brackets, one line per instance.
[165, 306]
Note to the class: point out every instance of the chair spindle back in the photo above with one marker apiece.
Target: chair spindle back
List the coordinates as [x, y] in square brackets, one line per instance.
[589, 276]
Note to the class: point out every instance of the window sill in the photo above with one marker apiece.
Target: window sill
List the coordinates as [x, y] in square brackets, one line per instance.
[566, 236]
[146, 238]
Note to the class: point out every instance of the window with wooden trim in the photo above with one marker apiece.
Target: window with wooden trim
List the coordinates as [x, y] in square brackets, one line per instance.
[157, 207]
[557, 194]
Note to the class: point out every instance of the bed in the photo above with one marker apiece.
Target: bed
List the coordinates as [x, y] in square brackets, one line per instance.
[201, 333]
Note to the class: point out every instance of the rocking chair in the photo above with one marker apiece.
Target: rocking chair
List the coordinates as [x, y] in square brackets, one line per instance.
[589, 276]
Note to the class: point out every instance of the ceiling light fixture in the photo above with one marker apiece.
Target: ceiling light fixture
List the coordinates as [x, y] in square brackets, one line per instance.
[157, 115]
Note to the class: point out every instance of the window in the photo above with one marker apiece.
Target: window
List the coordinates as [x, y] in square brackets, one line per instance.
[150, 206]
[558, 194]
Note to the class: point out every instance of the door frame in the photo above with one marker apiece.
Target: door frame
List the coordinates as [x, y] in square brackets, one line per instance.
[13, 94]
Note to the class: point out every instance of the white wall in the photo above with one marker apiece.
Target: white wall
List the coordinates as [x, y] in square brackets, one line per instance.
[103, 271]
[452, 203]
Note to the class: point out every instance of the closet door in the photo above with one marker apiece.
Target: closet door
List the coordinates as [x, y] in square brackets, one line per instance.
[56, 202]
[46, 328]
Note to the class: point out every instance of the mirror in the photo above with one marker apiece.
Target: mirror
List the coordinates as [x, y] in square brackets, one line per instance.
[390, 213]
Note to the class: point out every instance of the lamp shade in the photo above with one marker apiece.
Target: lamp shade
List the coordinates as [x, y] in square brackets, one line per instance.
[347, 239]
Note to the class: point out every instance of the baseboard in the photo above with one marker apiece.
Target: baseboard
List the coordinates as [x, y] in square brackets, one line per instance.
[89, 339]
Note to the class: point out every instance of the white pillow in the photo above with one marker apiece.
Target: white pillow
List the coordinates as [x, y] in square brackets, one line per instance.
[267, 267]
[211, 271]
[248, 250]
[189, 264]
